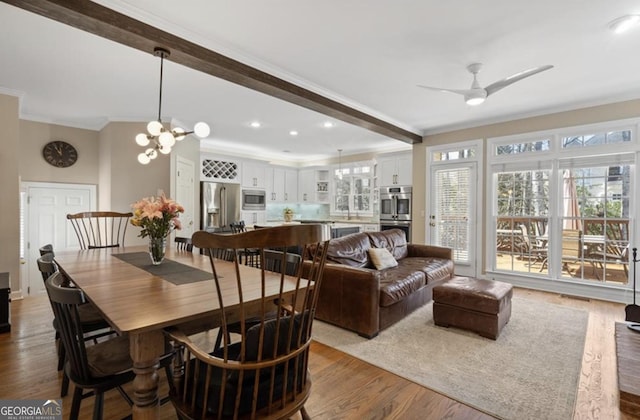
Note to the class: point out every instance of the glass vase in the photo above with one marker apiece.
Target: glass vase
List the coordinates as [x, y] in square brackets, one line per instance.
[157, 248]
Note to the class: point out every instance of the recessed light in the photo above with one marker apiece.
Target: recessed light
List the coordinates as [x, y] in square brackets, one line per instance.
[293, 132]
[624, 23]
[328, 124]
[255, 124]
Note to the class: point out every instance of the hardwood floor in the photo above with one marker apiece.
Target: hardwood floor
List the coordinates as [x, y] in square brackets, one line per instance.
[344, 387]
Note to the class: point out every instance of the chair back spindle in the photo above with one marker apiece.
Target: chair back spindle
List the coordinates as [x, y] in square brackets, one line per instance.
[100, 229]
[183, 244]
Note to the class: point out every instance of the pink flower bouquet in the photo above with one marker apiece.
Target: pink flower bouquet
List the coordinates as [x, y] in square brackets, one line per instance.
[157, 216]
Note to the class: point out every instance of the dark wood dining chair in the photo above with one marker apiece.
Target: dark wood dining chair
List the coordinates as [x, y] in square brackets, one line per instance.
[183, 244]
[274, 261]
[250, 255]
[265, 375]
[93, 325]
[46, 249]
[100, 229]
[93, 369]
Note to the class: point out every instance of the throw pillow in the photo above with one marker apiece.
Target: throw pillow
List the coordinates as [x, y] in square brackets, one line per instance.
[382, 258]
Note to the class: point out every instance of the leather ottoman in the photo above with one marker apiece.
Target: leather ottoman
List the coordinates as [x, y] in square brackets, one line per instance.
[481, 306]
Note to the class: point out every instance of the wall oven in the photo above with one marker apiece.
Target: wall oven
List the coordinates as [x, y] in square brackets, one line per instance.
[395, 203]
[395, 209]
[403, 226]
[254, 200]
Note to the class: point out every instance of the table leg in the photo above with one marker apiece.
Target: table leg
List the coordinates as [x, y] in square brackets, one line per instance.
[146, 349]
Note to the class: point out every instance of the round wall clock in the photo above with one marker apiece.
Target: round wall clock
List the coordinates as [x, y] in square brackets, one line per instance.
[60, 154]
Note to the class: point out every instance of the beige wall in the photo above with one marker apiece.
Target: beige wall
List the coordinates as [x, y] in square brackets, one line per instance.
[122, 178]
[10, 189]
[33, 167]
[603, 113]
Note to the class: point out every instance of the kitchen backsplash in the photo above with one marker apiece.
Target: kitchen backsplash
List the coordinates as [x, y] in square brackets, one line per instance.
[300, 211]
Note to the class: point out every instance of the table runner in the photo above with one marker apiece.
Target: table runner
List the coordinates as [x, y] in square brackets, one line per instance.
[172, 271]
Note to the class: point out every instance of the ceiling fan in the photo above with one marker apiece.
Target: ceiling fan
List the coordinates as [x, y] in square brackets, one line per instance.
[476, 94]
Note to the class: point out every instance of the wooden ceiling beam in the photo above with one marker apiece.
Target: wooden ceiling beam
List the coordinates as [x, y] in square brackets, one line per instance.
[107, 23]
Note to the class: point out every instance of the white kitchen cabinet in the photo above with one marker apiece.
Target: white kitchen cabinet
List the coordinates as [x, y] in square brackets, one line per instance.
[291, 185]
[282, 185]
[313, 186]
[395, 170]
[307, 185]
[322, 186]
[254, 175]
[253, 218]
[275, 184]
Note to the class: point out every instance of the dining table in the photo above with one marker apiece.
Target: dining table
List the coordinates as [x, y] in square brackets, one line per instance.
[140, 300]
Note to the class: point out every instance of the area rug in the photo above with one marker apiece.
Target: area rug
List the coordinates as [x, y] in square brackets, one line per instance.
[530, 372]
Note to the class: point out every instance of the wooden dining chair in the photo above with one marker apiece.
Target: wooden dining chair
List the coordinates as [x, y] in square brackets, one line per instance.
[100, 229]
[250, 255]
[94, 326]
[93, 369]
[46, 249]
[183, 244]
[274, 261]
[265, 374]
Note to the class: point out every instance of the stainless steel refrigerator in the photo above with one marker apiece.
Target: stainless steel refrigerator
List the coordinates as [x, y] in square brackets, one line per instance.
[219, 205]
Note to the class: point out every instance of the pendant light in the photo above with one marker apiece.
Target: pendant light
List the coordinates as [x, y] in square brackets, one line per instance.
[161, 139]
[340, 164]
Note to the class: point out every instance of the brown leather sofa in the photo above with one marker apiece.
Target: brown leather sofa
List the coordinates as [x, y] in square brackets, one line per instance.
[356, 296]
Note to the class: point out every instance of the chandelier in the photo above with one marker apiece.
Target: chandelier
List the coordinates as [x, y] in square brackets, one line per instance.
[159, 138]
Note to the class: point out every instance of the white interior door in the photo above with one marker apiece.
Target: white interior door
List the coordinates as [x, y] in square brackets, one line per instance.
[185, 195]
[453, 212]
[46, 222]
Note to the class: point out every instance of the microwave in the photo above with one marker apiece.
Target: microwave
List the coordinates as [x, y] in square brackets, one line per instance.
[254, 200]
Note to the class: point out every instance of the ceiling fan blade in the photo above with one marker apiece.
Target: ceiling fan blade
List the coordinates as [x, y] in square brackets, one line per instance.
[494, 87]
[458, 91]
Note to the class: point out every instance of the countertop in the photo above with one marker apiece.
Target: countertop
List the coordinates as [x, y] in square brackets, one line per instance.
[332, 223]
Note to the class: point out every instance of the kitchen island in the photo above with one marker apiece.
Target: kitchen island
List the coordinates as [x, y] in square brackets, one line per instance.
[333, 229]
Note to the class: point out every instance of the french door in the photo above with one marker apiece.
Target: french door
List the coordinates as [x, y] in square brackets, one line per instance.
[454, 210]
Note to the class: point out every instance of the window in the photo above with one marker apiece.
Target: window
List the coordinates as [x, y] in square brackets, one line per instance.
[354, 189]
[522, 201]
[466, 153]
[561, 208]
[598, 205]
[524, 147]
[587, 140]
